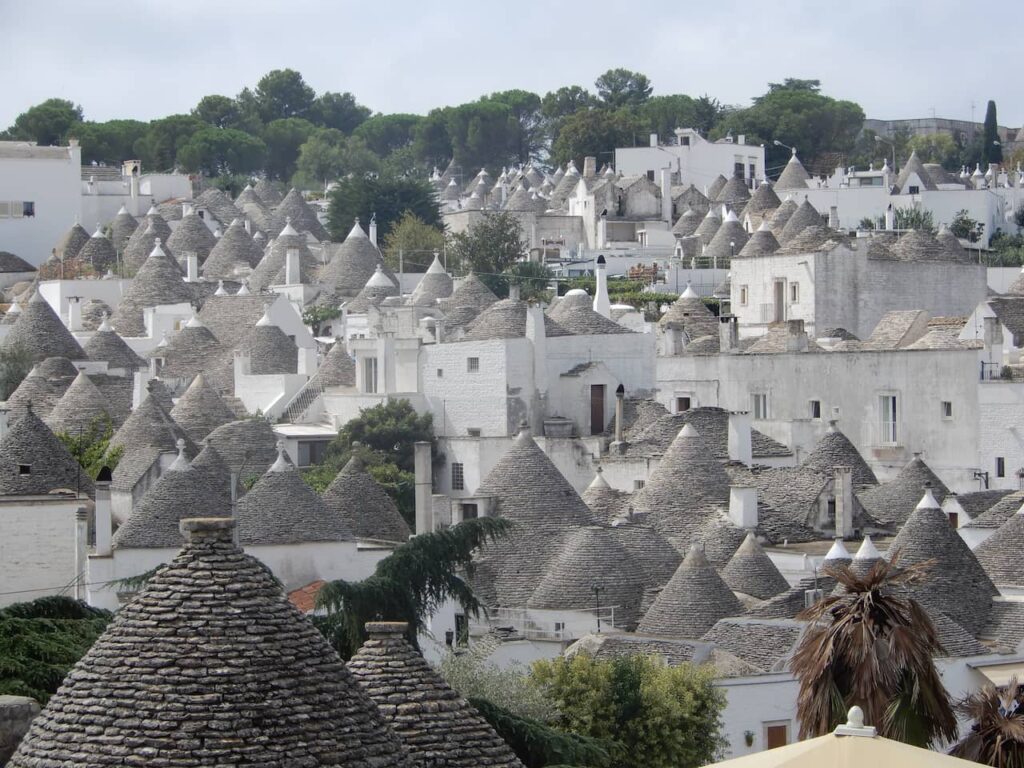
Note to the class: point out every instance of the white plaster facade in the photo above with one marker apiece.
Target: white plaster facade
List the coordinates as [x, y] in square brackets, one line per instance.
[692, 159]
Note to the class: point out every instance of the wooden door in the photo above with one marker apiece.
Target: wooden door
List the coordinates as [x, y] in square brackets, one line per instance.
[596, 409]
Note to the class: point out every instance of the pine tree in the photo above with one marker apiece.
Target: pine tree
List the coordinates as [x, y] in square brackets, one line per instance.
[991, 149]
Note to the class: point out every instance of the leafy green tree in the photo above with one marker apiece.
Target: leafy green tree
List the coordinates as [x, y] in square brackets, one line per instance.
[594, 132]
[431, 140]
[47, 123]
[935, 148]
[913, 218]
[15, 364]
[387, 197]
[966, 228]
[159, 145]
[90, 448]
[873, 646]
[218, 111]
[532, 278]
[525, 108]
[484, 134]
[623, 88]
[991, 149]
[384, 134]
[340, 111]
[403, 163]
[509, 686]
[111, 142]
[282, 93]
[707, 113]
[408, 585]
[663, 114]
[657, 716]
[41, 640]
[566, 101]
[792, 84]
[416, 240]
[328, 155]
[489, 247]
[284, 138]
[222, 151]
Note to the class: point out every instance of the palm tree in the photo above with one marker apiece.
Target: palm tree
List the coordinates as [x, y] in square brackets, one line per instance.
[872, 645]
[997, 736]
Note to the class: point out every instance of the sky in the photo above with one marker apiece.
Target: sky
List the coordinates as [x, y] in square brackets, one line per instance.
[150, 58]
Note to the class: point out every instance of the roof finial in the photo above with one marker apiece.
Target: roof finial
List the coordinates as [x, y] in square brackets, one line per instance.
[180, 463]
[281, 464]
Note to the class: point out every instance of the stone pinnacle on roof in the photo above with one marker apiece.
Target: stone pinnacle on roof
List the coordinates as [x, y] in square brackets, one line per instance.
[366, 509]
[72, 242]
[435, 723]
[837, 555]
[136, 694]
[435, 284]
[835, 450]
[39, 332]
[752, 572]
[694, 599]
[201, 410]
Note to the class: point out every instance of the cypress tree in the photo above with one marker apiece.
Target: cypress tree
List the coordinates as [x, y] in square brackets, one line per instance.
[991, 150]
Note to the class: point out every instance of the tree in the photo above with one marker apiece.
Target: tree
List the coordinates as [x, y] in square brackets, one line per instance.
[623, 88]
[489, 247]
[41, 640]
[15, 364]
[532, 278]
[509, 686]
[707, 114]
[47, 123]
[595, 132]
[218, 111]
[158, 148]
[282, 93]
[416, 240]
[431, 139]
[90, 448]
[525, 109]
[328, 155]
[655, 716]
[991, 148]
[111, 142]
[384, 134]
[408, 585]
[340, 111]
[284, 138]
[913, 218]
[484, 134]
[872, 646]
[966, 228]
[935, 148]
[663, 114]
[387, 197]
[566, 101]
[793, 84]
[222, 151]
[996, 736]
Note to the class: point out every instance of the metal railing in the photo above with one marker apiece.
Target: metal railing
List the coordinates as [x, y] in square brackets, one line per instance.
[303, 399]
[523, 624]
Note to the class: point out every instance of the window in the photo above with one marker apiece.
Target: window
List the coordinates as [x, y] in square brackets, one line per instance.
[1000, 466]
[458, 478]
[650, 175]
[776, 734]
[24, 469]
[685, 141]
[370, 375]
[759, 405]
[682, 404]
[913, 190]
[794, 293]
[638, 484]
[887, 420]
[470, 512]
[5, 209]
[473, 364]
[28, 209]
[743, 295]
[816, 409]
[473, 431]
[947, 410]
[440, 373]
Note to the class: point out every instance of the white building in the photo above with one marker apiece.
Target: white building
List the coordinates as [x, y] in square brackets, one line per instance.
[692, 159]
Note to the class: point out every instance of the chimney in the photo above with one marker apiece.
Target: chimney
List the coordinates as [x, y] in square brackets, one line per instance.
[602, 231]
[191, 267]
[513, 292]
[620, 396]
[81, 551]
[743, 506]
[654, 139]
[186, 209]
[796, 337]
[74, 314]
[890, 218]
[292, 274]
[4, 422]
[729, 334]
[104, 514]
[833, 217]
[589, 167]
[373, 229]
[954, 510]
[424, 487]
[739, 437]
[993, 331]
[213, 529]
[602, 304]
[843, 491]
[666, 195]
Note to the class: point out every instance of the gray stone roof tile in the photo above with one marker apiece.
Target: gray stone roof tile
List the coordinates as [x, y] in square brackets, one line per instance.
[81, 407]
[763, 643]
[1000, 554]
[234, 255]
[41, 333]
[201, 410]
[752, 572]
[793, 176]
[247, 446]
[191, 236]
[367, 510]
[893, 502]
[121, 229]
[159, 281]
[108, 346]
[71, 242]
[835, 450]
[33, 461]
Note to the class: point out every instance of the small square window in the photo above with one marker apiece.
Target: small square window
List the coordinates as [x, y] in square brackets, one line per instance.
[759, 406]
[473, 364]
[458, 478]
[28, 209]
[1000, 466]
[743, 295]
[816, 409]
[794, 293]
[947, 409]
[470, 512]
[24, 469]
[440, 373]
[682, 404]
[914, 190]
[473, 431]
[638, 484]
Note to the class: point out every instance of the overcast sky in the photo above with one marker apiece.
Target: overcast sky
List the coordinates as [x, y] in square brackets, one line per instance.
[149, 58]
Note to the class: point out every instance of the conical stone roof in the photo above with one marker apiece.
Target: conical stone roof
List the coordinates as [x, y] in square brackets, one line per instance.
[437, 726]
[913, 166]
[353, 264]
[81, 407]
[270, 192]
[592, 556]
[717, 186]
[835, 450]
[247, 446]
[94, 312]
[470, 292]
[34, 389]
[367, 511]
[377, 288]
[687, 224]
[33, 462]
[708, 226]
[145, 692]
[761, 243]
[435, 284]
[275, 257]
[694, 599]
[191, 236]
[763, 200]
[690, 314]
[159, 281]
[778, 220]
[956, 583]
[121, 229]
[804, 216]
[734, 194]
[686, 489]
[506, 319]
[194, 350]
[143, 240]
[149, 426]
[107, 345]
[893, 502]
[793, 176]
[295, 207]
[218, 203]
[41, 333]
[257, 211]
[235, 254]
[338, 368]
[201, 410]
[752, 572]
[72, 242]
[653, 553]
[1000, 553]
[729, 240]
[270, 350]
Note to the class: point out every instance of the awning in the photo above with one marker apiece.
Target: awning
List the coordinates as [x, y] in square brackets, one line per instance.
[999, 673]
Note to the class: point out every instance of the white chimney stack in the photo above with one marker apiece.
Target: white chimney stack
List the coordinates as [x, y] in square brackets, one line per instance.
[743, 506]
[424, 487]
[75, 314]
[192, 267]
[292, 273]
[602, 304]
[373, 229]
[104, 516]
[843, 491]
[666, 195]
[740, 437]
[81, 551]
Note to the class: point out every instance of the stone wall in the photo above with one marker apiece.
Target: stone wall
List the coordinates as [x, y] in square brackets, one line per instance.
[16, 713]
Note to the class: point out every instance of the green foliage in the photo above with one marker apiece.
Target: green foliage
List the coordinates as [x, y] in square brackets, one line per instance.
[1007, 250]
[15, 364]
[527, 138]
[222, 151]
[328, 155]
[384, 134]
[618, 88]
[936, 148]
[47, 123]
[90, 448]
[389, 197]
[657, 715]
[489, 247]
[339, 111]
[110, 142]
[316, 315]
[914, 218]
[470, 673]
[991, 148]
[41, 640]
[966, 228]
[219, 111]
[1018, 217]
[284, 137]
[663, 114]
[416, 240]
[532, 278]
[390, 428]
[594, 132]
[232, 183]
[281, 94]
[408, 585]
[159, 146]
[538, 745]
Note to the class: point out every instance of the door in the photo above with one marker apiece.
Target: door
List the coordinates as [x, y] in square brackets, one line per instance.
[776, 735]
[596, 409]
[780, 301]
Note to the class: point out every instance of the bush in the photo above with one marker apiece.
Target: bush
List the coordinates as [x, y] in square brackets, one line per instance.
[509, 688]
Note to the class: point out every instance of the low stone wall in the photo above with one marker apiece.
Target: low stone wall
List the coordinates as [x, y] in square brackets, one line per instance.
[16, 713]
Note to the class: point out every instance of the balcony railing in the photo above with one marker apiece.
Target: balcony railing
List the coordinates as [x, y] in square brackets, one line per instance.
[527, 624]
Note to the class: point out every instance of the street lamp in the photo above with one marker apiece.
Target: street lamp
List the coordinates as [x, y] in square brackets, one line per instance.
[892, 144]
[778, 143]
[597, 605]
